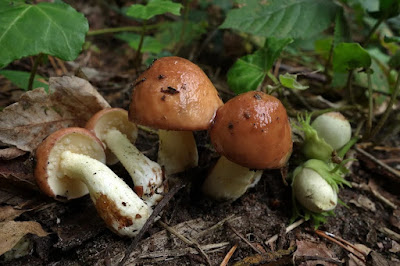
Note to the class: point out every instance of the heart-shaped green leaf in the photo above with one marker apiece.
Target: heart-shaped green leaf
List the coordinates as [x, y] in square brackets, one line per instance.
[21, 79]
[349, 56]
[54, 29]
[153, 8]
[282, 18]
[290, 81]
[249, 71]
[150, 44]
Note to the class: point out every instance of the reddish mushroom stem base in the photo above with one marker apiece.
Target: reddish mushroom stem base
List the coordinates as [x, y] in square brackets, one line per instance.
[229, 181]
[122, 210]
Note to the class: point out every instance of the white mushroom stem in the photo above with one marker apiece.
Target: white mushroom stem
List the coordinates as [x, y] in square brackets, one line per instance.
[177, 151]
[147, 175]
[121, 209]
[229, 181]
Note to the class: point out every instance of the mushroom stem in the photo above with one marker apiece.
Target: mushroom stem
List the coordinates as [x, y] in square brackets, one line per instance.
[177, 151]
[147, 175]
[121, 209]
[229, 181]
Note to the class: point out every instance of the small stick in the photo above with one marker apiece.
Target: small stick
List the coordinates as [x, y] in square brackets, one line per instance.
[186, 240]
[331, 238]
[215, 226]
[376, 193]
[243, 238]
[392, 234]
[380, 163]
[229, 255]
[288, 229]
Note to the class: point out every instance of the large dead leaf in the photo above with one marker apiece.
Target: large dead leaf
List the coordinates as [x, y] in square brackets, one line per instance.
[71, 102]
[11, 232]
[8, 213]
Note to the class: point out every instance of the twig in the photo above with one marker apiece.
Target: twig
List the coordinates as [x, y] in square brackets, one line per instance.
[287, 230]
[160, 206]
[340, 241]
[215, 226]
[394, 172]
[243, 238]
[186, 240]
[393, 235]
[376, 193]
[229, 255]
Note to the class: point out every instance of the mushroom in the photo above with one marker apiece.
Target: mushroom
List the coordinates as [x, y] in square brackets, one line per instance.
[251, 132]
[114, 129]
[175, 96]
[70, 163]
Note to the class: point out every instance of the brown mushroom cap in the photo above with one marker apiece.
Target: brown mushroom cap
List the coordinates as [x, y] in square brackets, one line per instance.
[112, 118]
[253, 130]
[48, 174]
[174, 94]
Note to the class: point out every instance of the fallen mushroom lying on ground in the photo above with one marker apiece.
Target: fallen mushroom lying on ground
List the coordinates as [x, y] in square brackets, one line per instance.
[70, 164]
[118, 134]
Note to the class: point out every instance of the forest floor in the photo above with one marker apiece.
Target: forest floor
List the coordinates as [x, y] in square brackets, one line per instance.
[194, 230]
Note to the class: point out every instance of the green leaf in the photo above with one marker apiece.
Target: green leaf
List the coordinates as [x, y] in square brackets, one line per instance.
[349, 56]
[150, 44]
[282, 18]
[342, 29]
[323, 47]
[394, 61]
[290, 81]
[387, 9]
[153, 8]
[249, 71]
[21, 79]
[170, 33]
[54, 29]
[392, 39]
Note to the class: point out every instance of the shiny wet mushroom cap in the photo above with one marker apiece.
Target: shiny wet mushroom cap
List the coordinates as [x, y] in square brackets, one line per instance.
[253, 130]
[174, 94]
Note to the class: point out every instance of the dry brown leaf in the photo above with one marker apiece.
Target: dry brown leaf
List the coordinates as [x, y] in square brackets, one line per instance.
[11, 153]
[11, 232]
[71, 102]
[8, 213]
[319, 253]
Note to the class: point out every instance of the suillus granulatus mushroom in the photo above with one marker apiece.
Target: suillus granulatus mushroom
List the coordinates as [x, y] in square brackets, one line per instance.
[118, 134]
[251, 132]
[175, 96]
[70, 163]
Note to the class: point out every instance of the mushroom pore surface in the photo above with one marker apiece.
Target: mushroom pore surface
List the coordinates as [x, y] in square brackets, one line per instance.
[49, 175]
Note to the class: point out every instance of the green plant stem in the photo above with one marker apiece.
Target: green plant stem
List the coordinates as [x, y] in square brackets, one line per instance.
[327, 110]
[273, 78]
[34, 70]
[138, 29]
[370, 104]
[183, 30]
[328, 61]
[388, 109]
[138, 51]
[371, 32]
[349, 85]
